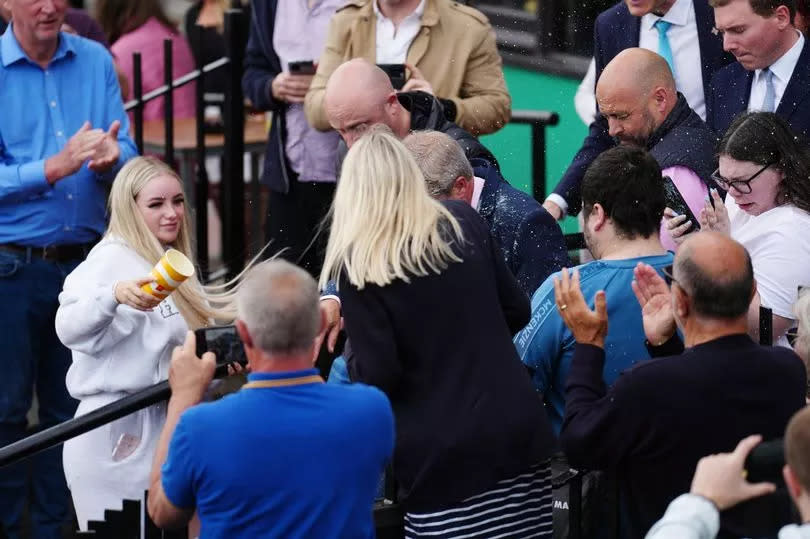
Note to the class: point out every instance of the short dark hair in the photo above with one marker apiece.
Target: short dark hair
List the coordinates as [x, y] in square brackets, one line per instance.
[726, 297]
[626, 182]
[766, 139]
[763, 8]
[803, 8]
[797, 446]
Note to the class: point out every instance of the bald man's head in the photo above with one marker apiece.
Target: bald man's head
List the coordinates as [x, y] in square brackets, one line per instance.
[636, 92]
[359, 94]
[716, 273]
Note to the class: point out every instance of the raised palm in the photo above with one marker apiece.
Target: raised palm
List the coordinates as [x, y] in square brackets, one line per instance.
[653, 296]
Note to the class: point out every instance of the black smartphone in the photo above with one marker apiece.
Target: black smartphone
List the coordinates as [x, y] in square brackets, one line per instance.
[395, 72]
[224, 342]
[765, 462]
[676, 202]
[302, 67]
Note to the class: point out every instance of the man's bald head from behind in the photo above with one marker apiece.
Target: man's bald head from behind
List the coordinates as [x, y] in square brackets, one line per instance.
[716, 273]
[359, 94]
[636, 92]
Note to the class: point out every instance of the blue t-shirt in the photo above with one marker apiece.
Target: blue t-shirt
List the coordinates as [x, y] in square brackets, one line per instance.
[299, 460]
[546, 345]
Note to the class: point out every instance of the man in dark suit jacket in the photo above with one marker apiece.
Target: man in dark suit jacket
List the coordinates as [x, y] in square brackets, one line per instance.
[620, 28]
[768, 43]
[531, 242]
[664, 414]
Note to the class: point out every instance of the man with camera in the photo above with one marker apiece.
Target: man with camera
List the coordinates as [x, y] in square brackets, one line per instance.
[443, 48]
[662, 415]
[722, 481]
[253, 463]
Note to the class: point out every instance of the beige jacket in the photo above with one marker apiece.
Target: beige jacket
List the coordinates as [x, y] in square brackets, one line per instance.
[455, 50]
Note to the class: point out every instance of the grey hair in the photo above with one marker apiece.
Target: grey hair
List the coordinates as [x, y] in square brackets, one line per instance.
[441, 160]
[278, 303]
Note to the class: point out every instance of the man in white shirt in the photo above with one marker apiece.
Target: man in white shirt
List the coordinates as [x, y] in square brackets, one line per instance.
[681, 32]
[448, 50]
[772, 72]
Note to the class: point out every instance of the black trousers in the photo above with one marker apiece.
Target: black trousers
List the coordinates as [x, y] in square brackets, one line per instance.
[295, 223]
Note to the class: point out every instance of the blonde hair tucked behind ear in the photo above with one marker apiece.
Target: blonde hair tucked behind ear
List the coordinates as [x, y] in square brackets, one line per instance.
[385, 226]
[198, 304]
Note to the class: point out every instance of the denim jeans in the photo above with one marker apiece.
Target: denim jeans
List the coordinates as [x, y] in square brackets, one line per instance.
[32, 356]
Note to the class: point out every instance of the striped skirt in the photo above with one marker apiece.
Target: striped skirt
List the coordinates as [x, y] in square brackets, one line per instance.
[519, 507]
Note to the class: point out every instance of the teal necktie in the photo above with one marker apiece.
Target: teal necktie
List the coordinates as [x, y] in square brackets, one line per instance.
[664, 48]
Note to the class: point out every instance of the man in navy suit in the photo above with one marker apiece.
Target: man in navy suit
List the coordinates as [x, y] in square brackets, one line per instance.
[531, 242]
[772, 71]
[685, 28]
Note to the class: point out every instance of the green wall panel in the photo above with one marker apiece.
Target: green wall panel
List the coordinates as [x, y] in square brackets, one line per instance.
[511, 145]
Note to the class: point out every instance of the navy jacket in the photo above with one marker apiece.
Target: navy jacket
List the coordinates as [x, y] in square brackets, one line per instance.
[466, 413]
[530, 240]
[663, 415]
[261, 66]
[684, 139]
[615, 30]
[731, 88]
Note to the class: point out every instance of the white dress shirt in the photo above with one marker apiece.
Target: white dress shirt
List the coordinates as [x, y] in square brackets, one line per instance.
[782, 70]
[393, 42]
[683, 40]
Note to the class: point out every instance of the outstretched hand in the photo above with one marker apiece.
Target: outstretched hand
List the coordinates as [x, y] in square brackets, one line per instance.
[107, 152]
[714, 215]
[721, 478]
[588, 326]
[654, 297]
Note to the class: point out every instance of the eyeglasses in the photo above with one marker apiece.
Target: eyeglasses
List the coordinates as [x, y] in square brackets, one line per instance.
[667, 271]
[791, 335]
[743, 186]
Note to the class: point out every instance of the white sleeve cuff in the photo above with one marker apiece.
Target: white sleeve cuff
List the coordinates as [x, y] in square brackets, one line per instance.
[688, 517]
[559, 201]
[330, 296]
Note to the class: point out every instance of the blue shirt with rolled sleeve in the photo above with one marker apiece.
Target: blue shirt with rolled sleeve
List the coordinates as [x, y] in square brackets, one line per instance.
[297, 460]
[546, 345]
[41, 110]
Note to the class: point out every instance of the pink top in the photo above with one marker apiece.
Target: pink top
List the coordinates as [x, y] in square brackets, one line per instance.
[148, 40]
[693, 191]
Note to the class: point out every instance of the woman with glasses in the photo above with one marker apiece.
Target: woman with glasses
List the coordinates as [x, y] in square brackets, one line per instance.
[765, 169]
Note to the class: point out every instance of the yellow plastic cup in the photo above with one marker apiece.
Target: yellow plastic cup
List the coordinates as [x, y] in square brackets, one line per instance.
[171, 270]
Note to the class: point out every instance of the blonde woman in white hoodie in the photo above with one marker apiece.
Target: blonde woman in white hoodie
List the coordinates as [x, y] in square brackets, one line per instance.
[122, 338]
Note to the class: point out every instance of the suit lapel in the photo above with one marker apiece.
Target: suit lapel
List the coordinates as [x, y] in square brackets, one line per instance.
[711, 44]
[798, 87]
[420, 44]
[364, 35]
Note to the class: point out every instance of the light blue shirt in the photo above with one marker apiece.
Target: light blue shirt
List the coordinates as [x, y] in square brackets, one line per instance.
[546, 345]
[40, 110]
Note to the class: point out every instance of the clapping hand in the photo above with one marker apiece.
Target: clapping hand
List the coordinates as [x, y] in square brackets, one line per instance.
[715, 216]
[587, 326]
[653, 296]
[721, 478]
[107, 151]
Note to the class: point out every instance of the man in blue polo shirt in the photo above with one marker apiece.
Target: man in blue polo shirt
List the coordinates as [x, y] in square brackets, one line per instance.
[623, 201]
[63, 135]
[287, 456]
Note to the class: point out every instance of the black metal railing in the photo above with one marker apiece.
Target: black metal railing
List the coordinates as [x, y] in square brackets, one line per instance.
[538, 120]
[233, 244]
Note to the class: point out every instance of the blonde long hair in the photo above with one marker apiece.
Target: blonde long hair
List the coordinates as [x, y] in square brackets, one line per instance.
[385, 226]
[198, 304]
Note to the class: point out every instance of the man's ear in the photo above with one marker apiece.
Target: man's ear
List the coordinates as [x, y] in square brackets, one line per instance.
[462, 189]
[792, 482]
[681, 302]
[244, 334]
[597, 216]
[782, 15]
